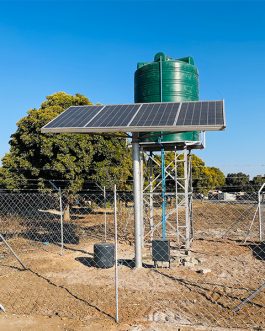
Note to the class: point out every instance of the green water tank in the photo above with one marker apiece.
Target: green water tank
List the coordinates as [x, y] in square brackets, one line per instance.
[167, 80]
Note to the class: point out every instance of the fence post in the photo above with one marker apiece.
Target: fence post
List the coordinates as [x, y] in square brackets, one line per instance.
[260, 216]
[12, 251]
[116, 256]
[105, 214]
[61, 219]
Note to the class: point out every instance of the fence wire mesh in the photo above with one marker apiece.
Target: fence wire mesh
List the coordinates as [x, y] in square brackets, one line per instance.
[67, 243]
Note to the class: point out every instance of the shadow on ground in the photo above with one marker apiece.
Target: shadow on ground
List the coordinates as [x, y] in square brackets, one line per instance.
[258, 250]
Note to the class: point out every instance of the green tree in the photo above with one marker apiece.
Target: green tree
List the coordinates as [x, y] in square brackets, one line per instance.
[204, 178]
[237, 182]
[71, 157]
[257, 181]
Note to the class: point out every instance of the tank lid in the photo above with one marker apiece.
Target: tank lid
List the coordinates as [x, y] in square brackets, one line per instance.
[160, 56]
[187, 59]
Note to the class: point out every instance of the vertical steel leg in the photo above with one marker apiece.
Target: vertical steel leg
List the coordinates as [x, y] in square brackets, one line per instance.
[190, 194]
[142, 194]
[151, 215]
[164, 230]
[137, 202]
[187, 213]
[176, 195]
[116, 258]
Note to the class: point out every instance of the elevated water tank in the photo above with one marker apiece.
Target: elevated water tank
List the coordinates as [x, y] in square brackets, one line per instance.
[167, 80]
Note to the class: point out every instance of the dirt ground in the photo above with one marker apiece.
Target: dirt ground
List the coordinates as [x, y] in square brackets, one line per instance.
[68, 293]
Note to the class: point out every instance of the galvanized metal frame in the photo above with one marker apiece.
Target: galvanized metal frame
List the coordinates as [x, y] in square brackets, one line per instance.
[182, 194]
[108, 129]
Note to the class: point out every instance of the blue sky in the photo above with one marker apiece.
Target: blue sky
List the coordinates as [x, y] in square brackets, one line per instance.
[92, 47]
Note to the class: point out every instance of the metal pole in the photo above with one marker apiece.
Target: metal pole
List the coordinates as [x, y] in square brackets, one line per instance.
[251, 224]
[105, 214]
[163, 193]
[151, 198]
[10, 248]
[249, 298]
[260, 216]
[142, 193]
[190, 194]
[137, 201]
[116, 257]
[176, 194]
[186, 193]
[61, 219]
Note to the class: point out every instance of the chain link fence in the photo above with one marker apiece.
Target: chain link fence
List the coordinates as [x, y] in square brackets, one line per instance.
[78, 250]
[220, 280]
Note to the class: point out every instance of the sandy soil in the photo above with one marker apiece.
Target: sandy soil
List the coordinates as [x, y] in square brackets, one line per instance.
[68, 293]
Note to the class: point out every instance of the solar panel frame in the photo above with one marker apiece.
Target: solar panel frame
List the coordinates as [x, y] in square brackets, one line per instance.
[181, 121]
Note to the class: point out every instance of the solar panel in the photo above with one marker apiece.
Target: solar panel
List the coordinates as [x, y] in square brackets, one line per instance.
[163, 116]
[75, 117]
[200, 113]
[114, 115]
[156, 114]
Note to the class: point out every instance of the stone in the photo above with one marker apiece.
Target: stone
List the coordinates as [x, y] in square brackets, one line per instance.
[159, 317]
[224, 275]
[204, 271]
[189, 261]
[2, 308]
[175, 262]
[188, 264]
[200, 259]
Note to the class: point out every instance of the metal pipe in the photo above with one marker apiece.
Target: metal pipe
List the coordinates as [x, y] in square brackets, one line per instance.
[137, 201]
[260, 218]
[61, 220]
[141, 192]
[116, 258]
[105, 214]
[187, 213]
[151, 197]
[163, 193]
[249, 298]
[190, 195]
[176, 194]
[12, 251]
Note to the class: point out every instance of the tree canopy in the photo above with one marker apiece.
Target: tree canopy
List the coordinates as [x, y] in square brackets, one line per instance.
[240, 181]
[71, 157]
[77, 158]
[237, 181]
[204, 178]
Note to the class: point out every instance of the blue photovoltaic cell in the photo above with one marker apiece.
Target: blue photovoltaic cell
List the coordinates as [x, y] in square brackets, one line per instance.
[195, 115]
[205, 113]
[219, 119]
[156, 114]
[75, 117]
[114, 115]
